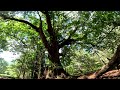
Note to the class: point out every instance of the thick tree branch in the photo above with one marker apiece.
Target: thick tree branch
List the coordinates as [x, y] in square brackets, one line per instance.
[68, 40]
[53, 38]
[48, 20]
[42, 35]
[39, 30]
[23, 21]
[71, 41]
[111, 64]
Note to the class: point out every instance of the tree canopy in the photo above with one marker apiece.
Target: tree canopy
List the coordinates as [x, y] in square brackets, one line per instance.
[54, 42]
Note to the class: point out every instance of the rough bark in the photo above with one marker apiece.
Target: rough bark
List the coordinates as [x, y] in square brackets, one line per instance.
[114, 62]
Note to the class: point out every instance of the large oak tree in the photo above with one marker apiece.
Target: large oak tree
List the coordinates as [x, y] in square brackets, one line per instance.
[56, 29]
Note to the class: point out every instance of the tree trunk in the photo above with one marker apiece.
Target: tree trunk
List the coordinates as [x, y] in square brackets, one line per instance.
[35, 74]
[114, 62]
[35, 70]
[54, 57]
[23, 74]
[32, 70]
[42, 68]
[37, 65]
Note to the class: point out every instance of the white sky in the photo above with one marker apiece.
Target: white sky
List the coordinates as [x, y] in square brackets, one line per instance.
[8, 56]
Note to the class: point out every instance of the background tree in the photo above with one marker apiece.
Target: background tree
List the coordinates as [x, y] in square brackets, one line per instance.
[3, 66]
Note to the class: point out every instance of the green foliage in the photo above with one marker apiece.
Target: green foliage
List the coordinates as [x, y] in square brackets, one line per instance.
[12, 71]
[83, 62]
[91, 30]
[3, 66]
